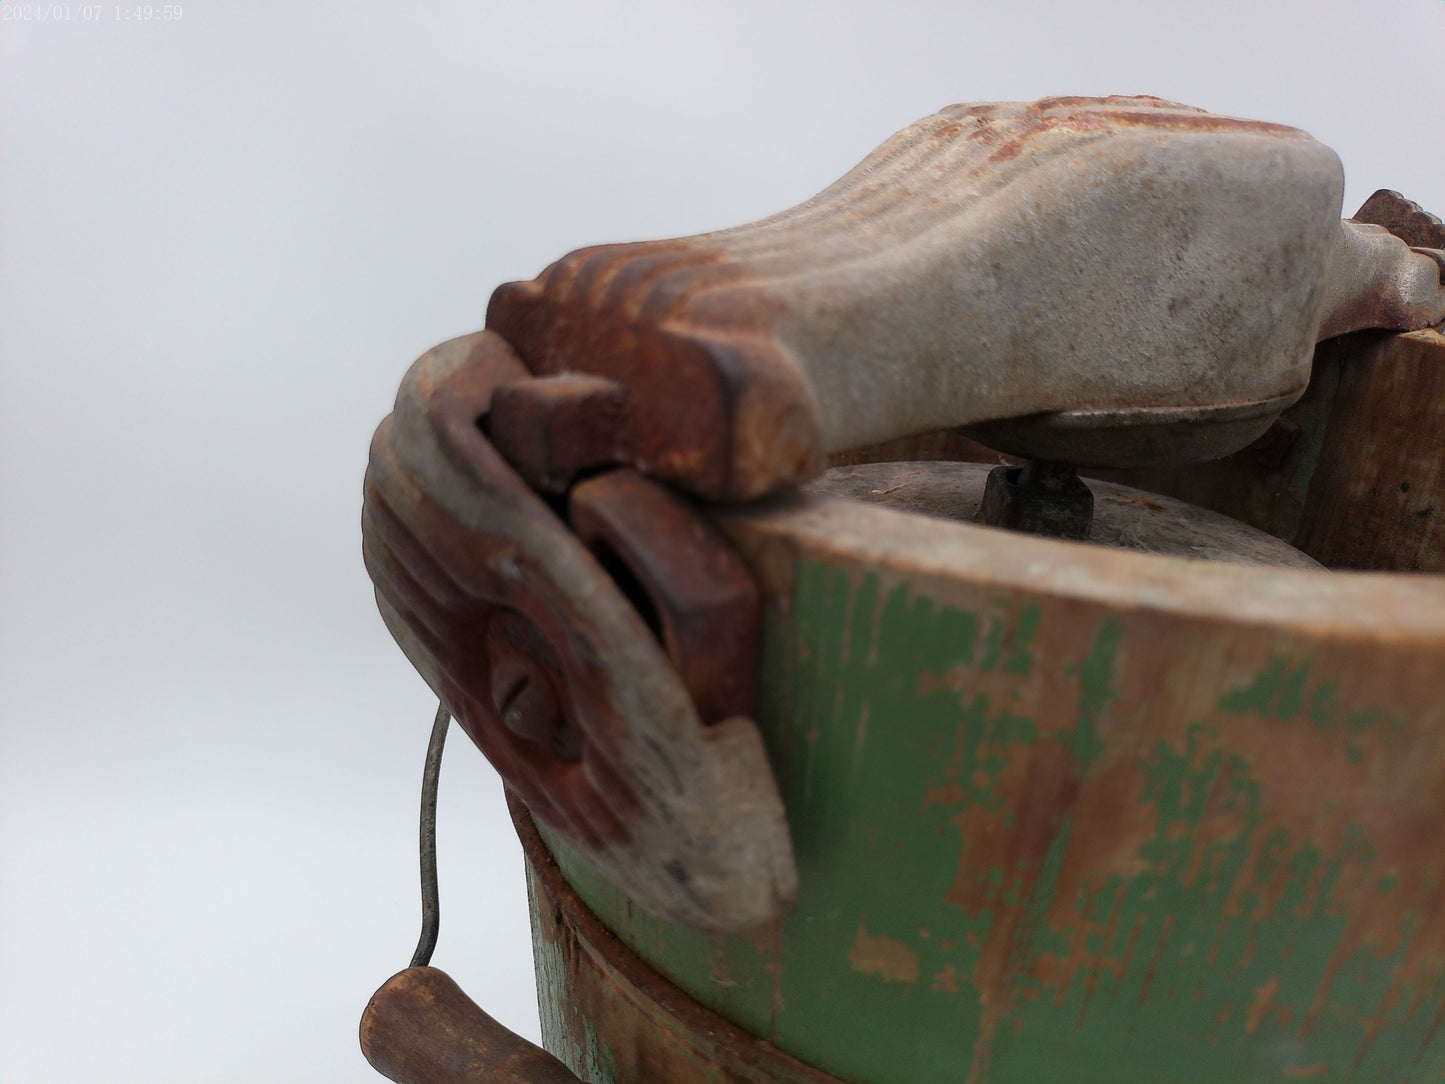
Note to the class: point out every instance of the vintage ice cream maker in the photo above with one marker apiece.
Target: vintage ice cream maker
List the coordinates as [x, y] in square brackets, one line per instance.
[850, 732]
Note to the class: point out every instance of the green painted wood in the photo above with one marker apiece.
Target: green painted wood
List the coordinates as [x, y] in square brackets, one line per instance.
[1059, 818]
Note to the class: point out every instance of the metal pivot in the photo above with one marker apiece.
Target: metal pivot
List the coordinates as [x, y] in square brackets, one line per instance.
[1040, 498]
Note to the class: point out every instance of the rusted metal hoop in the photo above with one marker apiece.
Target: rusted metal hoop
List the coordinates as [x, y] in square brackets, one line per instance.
[671, 1035]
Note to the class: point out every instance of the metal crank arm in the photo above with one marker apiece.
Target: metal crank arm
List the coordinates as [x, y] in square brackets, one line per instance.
[1100, 267]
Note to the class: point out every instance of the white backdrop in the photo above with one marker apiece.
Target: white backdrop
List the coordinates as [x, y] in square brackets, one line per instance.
[222, 240]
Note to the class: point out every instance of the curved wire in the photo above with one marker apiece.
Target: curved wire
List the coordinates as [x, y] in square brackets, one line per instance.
[430, 900]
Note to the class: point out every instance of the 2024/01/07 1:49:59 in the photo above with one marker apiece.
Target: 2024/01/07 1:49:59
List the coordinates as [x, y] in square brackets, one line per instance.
[90, 13]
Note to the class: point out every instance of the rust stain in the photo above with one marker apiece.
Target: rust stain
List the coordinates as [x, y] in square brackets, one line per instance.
[1435, 1026]
[864, 711]
[717, 963]
[1048, 775]
[1375, 1023]
[1306, 1072]
[1182, 121]
[1111, 820]
[697, 321]
[1100, 962]
[1405, 218]
[1012, 131]
[1378, 862]
[1008, 150]
[949, 793]
[958, 678]
[1073, 101]
[702, 595]
[671, 322]
[946, 981]
[1240, 793]
[1374, 836]
[882, 956]
[768, 940]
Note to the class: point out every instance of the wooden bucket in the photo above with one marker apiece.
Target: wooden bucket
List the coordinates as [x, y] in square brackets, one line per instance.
[1064, 812]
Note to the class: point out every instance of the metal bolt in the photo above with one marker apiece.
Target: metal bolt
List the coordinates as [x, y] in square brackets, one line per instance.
[1041, 498]
[1043, 476]
[524, 685]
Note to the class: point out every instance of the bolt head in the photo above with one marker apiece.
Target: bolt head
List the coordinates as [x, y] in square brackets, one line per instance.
[525, 685]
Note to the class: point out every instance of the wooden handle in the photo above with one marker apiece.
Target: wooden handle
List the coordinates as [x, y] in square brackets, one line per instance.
[420, 1028]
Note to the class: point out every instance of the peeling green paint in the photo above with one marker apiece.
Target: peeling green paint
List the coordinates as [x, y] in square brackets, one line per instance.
[1095, 691]
[598, 1065]
[551, 974]
[911, 738]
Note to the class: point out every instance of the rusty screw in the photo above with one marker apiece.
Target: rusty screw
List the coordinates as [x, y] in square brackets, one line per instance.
[525, 685]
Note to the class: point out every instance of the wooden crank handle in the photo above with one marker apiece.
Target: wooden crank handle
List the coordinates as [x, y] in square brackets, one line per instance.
[420, 1028]
[1115, 263]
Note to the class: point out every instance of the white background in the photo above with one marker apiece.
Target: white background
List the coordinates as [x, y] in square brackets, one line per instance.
[222, 240]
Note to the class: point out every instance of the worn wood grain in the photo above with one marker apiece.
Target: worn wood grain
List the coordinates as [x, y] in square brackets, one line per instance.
[1377, 496]
[1349, 474]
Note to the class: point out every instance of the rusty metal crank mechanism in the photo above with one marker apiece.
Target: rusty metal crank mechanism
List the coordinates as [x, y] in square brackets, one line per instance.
[1117, 282]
